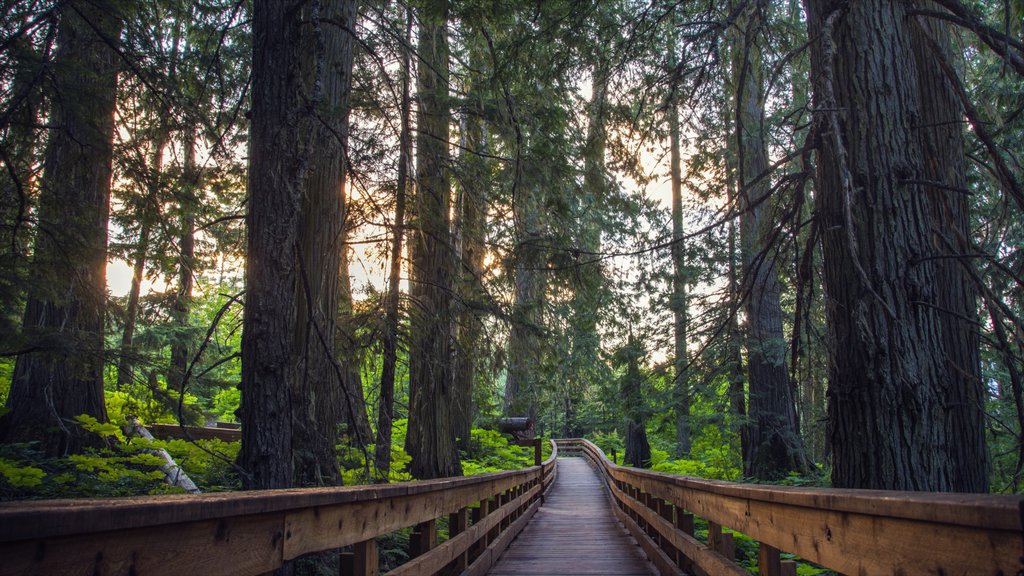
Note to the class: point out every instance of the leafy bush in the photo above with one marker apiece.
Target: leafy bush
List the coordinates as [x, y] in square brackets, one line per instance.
[209, 463]
[491, 452]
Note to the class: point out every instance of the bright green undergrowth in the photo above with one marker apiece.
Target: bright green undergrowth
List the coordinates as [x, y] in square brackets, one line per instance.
[121, 466]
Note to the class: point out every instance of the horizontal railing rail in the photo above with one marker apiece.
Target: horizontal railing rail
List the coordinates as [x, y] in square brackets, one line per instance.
[256, 532]
[849, 531]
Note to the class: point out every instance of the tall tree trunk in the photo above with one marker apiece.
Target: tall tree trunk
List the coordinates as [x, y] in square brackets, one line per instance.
[126, 361]
[588, 277]
[737, 392]
[353, 401]
[182, 307]
[524, 341]
[430, 439]
[62, 377]
[940, 132]
[775, 446]
[18, 152]
[277, 165]
[318, 389]
[386, 410]
[638, 449]
[889, 369]
[679, 298]
[471, 247]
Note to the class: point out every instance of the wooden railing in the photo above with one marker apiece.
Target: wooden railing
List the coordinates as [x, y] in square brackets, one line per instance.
[256, 532]
[849, 531]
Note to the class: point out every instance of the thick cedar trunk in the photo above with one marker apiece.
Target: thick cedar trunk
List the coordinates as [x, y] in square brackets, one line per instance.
[940, 132]
[588, 280]
[890, 371]
[679, 299]
[276, 170]
[733, 353]
[18, 155]
[386, 410]
[63, 376]
[775, 446]
[638, 449]
[524, 346]
[471, 246]
[430, 440]
[318, 388]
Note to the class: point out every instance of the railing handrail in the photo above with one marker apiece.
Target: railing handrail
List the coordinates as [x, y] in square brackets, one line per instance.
[292, 521]
[852, 531]
[1001, 511]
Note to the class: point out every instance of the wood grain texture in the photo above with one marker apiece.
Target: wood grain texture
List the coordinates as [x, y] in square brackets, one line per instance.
[573, 533]
[921, 533]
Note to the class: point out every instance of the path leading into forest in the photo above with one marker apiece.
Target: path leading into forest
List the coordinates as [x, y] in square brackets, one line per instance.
[574, 532]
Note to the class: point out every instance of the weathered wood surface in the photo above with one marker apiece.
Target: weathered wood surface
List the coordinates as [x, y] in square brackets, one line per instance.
[850, 531]
[574, 532]
[165, 431]
[255, 532]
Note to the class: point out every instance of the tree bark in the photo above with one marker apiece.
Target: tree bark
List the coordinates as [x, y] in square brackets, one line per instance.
[353, 402]
[386, 410]
[940, 132]
[471, 247]
[638, 449]
[18, 153]
[588, 283]
[319, 400]
[62, 375]
[524, 346]
[277, 165]
[126, 361]
[679, 298]
[430, 439]
[889, 370]
[775, 445]
[182, 307]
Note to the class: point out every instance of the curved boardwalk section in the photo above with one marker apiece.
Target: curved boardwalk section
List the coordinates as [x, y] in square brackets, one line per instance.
[574, 532]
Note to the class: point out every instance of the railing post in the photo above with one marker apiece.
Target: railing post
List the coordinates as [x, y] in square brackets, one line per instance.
[478, 515]
[665, 509]
[457, 524]
[362, 561]
[684, 522]
[770, 563]
[721, 542]
[423, 538]
[493, 504]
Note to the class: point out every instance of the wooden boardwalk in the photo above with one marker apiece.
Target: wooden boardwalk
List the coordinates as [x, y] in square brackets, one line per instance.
[574, 532]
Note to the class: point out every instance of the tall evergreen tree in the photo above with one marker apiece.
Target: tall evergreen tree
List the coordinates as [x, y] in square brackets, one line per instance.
[430, 439]
[890, 368]
[775, 445]
[389, 362]
[277, 165]
[320, 395]
[60, 373]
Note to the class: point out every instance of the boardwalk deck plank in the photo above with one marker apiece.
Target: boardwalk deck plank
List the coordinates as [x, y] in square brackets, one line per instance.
[574, 533]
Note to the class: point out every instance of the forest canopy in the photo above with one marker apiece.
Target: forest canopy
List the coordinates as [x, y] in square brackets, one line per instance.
[731, 238]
